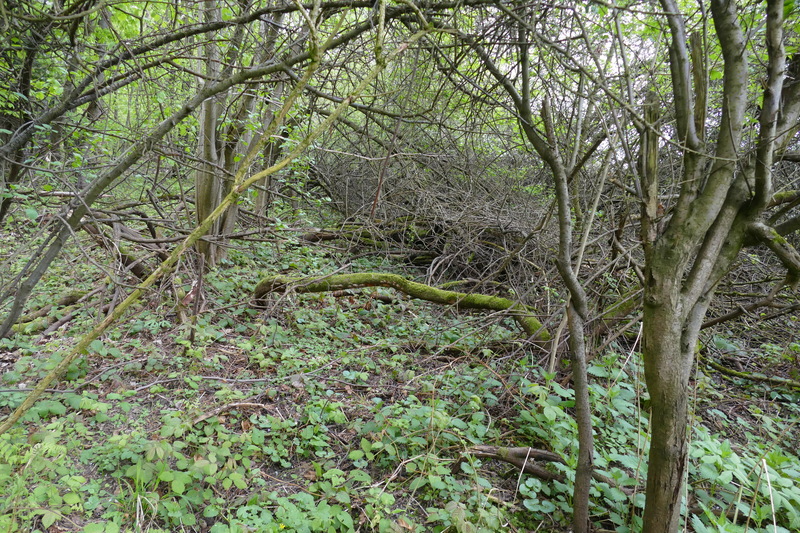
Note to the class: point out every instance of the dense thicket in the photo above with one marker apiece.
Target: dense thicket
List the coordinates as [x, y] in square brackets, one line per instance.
[603, 164]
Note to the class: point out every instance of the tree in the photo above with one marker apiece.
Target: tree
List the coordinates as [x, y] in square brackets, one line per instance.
[227, 121]
[726, 186]
[90, 88]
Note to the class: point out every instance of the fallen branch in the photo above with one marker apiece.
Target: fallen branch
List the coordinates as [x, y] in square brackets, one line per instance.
[751, 376]
[523, 314]
[227, 407]
[129, 261]
[70, 298]
[522, 457]
[744, 309]
[45, 318]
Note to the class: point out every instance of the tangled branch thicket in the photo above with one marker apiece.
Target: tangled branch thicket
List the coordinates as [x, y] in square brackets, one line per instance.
[484, 220]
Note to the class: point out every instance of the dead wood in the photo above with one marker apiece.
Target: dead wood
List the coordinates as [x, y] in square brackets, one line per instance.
[524, 315]
[524, 458]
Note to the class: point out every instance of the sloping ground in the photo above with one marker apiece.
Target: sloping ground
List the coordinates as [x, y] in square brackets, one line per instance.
[354, 410]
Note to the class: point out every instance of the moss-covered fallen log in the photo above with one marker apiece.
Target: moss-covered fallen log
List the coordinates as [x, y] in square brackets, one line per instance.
[524, 315]
[44, 317]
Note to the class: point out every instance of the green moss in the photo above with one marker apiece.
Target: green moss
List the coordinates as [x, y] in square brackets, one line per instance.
[524, 315]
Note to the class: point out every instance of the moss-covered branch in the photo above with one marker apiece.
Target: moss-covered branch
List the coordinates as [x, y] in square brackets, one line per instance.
[779, 246]
[751, 376]
[524, 315]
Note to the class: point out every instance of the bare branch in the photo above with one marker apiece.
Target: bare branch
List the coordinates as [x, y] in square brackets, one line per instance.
[771, 105]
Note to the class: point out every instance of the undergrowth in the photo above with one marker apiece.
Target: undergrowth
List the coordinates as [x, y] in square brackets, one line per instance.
[349, 412]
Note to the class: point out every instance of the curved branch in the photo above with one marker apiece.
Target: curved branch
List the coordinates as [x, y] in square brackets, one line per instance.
[751, 376]
[523, 314]
[786, 253]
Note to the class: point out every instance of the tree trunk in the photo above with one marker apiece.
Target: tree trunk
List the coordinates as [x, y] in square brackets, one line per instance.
[206, 183]
[666, 364]
[220, 148]
[709, 224]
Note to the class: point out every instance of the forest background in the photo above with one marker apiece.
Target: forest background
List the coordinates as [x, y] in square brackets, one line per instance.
[576, 224]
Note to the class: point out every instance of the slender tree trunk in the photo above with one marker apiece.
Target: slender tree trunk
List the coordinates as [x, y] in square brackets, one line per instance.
[583, 417]
[206, 182]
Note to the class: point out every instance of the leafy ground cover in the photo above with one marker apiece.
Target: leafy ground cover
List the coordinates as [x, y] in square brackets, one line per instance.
[352, 411]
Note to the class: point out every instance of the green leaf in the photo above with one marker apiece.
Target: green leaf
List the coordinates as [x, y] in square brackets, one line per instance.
[436, 482]
[211, 511]
[51, 407]
[698, 526]
[238, 480]
[258, 436]
[49, 518]
[615, 495]
[360, 476]
[550, 412]
[547, 506]
[178, 486]
[418, 483]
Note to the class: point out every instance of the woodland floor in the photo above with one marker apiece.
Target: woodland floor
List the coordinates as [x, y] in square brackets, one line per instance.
[343, 412]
